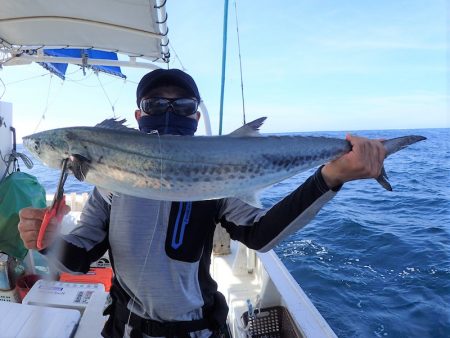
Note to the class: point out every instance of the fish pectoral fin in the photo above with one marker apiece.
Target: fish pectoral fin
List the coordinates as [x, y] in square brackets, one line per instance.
[249, 129]
[252, 199]
[383, 180]
[79, 165]
[106, 194]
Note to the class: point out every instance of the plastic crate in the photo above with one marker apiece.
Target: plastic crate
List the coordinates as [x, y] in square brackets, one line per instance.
[270, 322]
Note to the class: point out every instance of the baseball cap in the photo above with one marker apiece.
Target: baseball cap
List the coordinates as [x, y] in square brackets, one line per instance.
[166, 77]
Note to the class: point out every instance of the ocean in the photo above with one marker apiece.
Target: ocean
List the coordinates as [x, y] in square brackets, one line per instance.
[375, 263]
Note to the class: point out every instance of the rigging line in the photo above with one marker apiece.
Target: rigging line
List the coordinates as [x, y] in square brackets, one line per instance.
[81, 79]
[94, 70]
[240, 62]
[27, 79]
[46, 104]
[176, 56]
[4, 88]
[121, 91]
[106, 94]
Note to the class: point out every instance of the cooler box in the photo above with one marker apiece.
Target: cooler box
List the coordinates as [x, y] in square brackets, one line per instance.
[87, 299]
[24, 321]
[62, 295]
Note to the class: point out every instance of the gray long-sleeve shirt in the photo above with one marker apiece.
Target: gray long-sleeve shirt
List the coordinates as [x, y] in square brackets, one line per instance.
[161, 250]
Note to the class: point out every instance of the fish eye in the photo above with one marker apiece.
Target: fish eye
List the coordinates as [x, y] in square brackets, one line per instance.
[36, 146]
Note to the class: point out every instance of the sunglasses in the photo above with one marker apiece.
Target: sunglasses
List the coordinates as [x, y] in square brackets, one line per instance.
[160, 105]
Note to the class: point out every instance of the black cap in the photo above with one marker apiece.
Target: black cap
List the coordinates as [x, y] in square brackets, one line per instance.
[166, 77]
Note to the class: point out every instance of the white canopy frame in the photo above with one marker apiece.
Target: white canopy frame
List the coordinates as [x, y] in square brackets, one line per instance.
[133, 28]
[137, 28]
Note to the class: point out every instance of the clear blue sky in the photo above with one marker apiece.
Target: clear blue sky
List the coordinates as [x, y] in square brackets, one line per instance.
[307, 66]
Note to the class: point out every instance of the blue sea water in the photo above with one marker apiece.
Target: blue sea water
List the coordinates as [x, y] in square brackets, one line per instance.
[375, 263]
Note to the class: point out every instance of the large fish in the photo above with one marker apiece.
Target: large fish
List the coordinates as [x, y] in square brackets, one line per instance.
[186, 168]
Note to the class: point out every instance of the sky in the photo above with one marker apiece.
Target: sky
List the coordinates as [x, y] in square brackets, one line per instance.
[306, 65]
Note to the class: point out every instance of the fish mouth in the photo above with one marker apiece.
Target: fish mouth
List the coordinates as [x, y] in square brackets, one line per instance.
[28, 142]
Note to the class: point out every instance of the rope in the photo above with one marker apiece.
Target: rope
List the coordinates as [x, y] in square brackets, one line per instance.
[240, 63]
[13, 159]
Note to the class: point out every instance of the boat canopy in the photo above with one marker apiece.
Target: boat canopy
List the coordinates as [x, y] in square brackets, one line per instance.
[89, 33]
[34, 31]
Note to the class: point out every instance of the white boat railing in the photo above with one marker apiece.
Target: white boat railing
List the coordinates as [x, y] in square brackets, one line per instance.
[73, 200]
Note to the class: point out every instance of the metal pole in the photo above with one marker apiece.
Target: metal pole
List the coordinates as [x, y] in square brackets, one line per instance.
[224, 57]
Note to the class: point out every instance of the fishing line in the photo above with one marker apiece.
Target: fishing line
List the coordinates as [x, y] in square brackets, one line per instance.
[153, 232]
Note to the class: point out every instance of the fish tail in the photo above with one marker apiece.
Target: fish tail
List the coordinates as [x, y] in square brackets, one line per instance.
[383, 180]
[392, 146]
[395, 144]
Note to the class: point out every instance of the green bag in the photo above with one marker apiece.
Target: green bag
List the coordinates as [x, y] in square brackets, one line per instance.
[17, 191]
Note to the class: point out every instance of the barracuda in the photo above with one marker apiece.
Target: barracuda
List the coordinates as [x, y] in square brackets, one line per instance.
[186, 168]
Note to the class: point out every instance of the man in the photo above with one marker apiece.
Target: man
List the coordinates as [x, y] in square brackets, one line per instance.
[161, 250]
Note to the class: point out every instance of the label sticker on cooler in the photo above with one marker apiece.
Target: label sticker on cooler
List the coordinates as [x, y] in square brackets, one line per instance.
[83, 297]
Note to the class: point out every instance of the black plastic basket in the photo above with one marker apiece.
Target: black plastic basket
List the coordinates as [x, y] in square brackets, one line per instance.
[271, 322]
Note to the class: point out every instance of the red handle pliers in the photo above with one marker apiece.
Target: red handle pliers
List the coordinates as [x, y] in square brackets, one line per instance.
[59, 200]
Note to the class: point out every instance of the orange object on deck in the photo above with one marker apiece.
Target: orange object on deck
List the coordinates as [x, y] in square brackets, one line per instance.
[94, 275]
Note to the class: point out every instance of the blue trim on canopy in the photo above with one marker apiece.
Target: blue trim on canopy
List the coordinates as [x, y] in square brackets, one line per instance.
[59, 69]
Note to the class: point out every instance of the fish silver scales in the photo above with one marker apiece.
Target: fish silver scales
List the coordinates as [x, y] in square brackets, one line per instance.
[192, 168]
[185, 168]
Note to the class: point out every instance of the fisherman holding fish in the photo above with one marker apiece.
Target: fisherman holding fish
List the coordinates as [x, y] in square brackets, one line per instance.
[161, 249]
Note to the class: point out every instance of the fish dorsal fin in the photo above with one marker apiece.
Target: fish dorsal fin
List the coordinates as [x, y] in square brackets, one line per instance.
[114, 124]
[249, 129]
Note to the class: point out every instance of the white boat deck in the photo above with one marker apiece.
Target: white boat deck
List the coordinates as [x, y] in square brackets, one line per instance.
[270, 283]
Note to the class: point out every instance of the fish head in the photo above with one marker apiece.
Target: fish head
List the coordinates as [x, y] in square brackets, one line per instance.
[49, 147]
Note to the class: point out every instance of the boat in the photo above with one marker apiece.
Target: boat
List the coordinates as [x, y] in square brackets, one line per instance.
[263, 297]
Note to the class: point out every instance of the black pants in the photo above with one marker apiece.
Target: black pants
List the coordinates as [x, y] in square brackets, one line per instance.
[215, 316]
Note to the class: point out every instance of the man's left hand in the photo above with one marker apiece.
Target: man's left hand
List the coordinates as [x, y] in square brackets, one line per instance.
[365, 160]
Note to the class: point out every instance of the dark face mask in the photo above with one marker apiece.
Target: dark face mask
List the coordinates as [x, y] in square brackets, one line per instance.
[168, 123]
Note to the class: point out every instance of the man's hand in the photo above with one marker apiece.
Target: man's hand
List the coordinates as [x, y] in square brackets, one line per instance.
[365, 160]
[30, 223]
